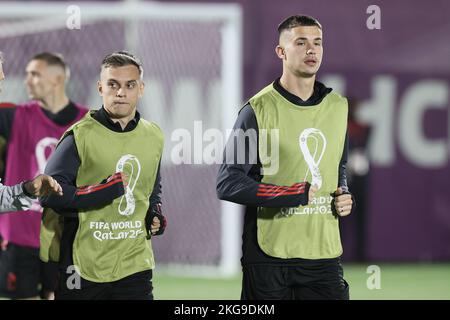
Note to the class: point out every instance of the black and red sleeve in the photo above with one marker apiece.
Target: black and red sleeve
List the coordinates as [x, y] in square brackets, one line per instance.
[63, 166]
[155, 209]
[239, 178]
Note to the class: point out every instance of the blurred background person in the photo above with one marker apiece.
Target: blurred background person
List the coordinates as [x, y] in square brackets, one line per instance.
[18, 197]
[32, 130]
[358, 169]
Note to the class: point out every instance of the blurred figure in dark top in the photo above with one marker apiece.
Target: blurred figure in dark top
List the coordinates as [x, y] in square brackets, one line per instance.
[358, 169]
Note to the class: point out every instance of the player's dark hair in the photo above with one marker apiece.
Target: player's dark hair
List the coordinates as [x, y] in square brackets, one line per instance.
[121, 59]
[53, 59]
[297, 21]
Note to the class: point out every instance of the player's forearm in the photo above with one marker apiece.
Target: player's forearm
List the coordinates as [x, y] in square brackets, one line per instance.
[342, 183]
[236, 183]
[85, 197]
[13, 198]
[155, 197]
[343, 166]
[155, 209]
[63, 166]
[233, 185]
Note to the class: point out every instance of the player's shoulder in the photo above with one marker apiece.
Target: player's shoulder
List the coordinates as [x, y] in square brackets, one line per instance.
[150, 125]
[264, 92]
[29, 108]
[86, 121]
[265, 95]
[337, 95]
[246, 110]
[337, 98]
[28, 105]
[331, 93]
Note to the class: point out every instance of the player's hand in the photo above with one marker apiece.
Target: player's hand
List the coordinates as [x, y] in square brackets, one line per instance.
[125, 179]
[156, 224]
[343, 202]
[43, 185]
[311, 193]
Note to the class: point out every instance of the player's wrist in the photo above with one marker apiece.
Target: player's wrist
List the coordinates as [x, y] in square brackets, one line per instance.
[27, 188]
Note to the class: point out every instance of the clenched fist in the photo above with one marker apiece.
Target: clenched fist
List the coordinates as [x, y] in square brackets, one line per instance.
[311, 193]
[343, 202]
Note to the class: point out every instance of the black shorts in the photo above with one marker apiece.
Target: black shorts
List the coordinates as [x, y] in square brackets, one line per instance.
[23, 275]
[313, 280]
[137, 286]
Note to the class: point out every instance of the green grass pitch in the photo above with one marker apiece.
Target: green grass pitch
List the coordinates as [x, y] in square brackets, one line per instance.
[398, 282]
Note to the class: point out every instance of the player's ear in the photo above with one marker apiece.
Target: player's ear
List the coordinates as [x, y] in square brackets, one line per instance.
[141, 88]
[100, 88]
[60, 79]
[280, 52]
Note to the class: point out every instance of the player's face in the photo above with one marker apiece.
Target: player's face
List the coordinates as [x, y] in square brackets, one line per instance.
[303, 51]
[120, 88]
[2, 75]
[40, 80]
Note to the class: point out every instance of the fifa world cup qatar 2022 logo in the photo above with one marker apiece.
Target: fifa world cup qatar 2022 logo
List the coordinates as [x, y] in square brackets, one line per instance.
[313, 153]
[312, 144]
[130, 165]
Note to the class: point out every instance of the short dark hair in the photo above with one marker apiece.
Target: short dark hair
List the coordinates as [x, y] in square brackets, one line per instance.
[121, 59]
[53, 59]
[297, 21]
[1, 57]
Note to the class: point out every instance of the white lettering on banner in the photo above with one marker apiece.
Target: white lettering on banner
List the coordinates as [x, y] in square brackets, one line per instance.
[379, 113]
[416, 101]
[407, 126]
[335, 81]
